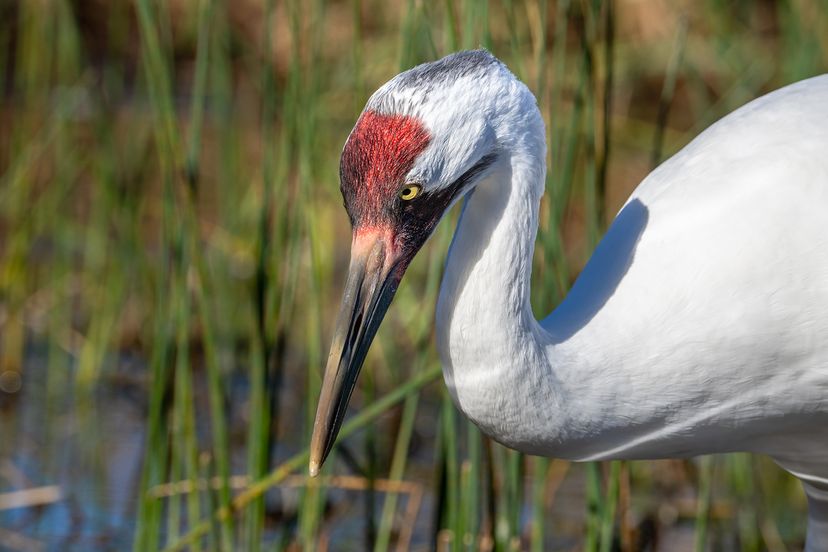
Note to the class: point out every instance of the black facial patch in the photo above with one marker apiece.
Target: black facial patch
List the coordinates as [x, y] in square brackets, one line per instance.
[416, 219]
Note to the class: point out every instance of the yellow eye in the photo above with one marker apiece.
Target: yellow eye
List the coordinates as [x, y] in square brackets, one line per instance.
[410, 192]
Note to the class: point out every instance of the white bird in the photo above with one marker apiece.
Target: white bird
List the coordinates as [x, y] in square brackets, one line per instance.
[699, 325]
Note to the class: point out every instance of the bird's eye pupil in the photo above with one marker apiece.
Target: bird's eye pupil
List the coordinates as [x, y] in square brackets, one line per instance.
[410, 192]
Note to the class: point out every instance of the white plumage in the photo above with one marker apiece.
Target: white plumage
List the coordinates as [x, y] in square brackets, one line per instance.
[699, 325]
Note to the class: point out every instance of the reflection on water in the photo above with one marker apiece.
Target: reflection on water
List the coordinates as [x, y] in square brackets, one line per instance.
[70, 460]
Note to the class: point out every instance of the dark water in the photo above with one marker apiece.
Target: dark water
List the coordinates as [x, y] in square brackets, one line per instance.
[76, 456]
[85, 447]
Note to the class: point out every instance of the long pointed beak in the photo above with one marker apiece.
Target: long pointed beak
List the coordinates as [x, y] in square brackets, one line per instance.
[373, 277]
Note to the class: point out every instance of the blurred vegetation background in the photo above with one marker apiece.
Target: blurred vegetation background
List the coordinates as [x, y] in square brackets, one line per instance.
[173, 246]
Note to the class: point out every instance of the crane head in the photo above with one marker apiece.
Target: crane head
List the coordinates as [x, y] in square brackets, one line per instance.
[423, 141]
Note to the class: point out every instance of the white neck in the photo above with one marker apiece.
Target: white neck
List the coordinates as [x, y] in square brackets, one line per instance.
[575, 385]
[492, 349]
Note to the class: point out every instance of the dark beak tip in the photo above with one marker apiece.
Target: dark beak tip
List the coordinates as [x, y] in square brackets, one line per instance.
[370, 287]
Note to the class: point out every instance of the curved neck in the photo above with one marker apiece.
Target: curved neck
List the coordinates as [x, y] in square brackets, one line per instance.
[487, 335]
[578, 385]
[489, 266]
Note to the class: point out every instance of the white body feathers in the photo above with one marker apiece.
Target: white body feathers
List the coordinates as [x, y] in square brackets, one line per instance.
[699, 325]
